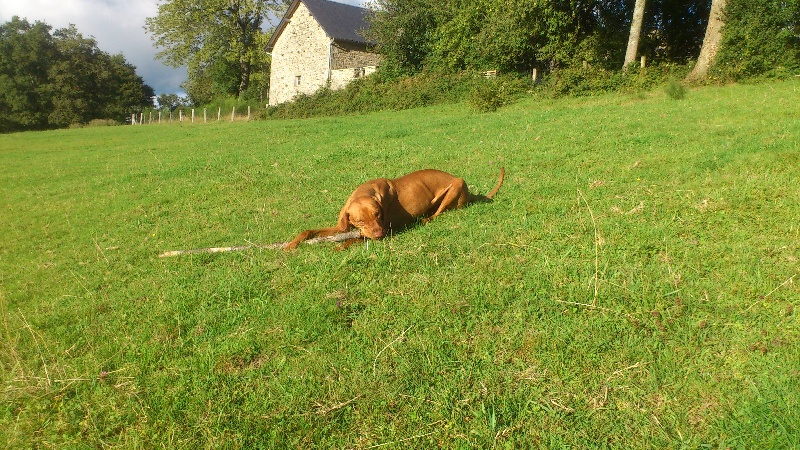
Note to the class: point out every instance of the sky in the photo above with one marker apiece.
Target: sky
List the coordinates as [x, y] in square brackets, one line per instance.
[116, 25]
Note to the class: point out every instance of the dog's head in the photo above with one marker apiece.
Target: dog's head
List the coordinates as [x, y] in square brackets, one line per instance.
[366, 209]
[366, 214]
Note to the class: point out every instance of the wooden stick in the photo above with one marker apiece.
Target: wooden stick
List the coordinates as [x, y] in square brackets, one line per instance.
[341, 237]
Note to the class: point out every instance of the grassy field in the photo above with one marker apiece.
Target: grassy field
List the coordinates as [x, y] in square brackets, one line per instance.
[633, 285]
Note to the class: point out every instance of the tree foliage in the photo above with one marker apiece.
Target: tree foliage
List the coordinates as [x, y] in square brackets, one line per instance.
[56, 79]
[170, 101]
[26, 53]
[472, 34]
[760, 37]
[220, 41]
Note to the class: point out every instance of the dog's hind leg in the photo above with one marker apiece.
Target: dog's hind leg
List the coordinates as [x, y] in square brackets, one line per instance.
[453, 196]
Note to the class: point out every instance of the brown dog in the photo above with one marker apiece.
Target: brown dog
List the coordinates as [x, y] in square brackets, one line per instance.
[381, 206]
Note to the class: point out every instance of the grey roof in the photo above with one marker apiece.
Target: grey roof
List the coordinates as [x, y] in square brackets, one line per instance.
[340, 22]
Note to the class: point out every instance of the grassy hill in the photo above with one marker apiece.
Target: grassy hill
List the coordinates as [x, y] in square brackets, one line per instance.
[633, 285]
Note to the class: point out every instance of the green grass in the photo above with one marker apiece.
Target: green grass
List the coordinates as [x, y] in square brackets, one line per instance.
[634, 284]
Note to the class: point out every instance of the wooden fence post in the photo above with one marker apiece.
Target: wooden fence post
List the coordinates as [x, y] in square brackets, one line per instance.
[192, 115]
[219, 113]
[180, 115]
[233, 113]
[159, 117]
[205, 119]
[644, 61]
[248, 112]
[133, 119]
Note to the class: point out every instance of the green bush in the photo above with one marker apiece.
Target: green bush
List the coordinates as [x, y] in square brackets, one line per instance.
[378, 92]
[103, 123]
[590, 81]
[489, 94]
[96, 123]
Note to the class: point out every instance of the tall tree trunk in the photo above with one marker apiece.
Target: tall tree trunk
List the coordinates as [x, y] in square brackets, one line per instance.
[636, 30]
[711, 41]
[244, 76]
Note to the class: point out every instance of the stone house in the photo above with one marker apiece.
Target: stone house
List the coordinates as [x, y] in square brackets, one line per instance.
[318, 43]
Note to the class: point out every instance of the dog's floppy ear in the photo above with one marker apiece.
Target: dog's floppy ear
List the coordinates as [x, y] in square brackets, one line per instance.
[344, 218]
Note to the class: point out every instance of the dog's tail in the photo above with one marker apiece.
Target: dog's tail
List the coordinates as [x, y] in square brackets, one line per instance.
[499, 183]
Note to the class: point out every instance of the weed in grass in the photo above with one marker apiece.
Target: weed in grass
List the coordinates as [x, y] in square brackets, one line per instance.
[675, 89]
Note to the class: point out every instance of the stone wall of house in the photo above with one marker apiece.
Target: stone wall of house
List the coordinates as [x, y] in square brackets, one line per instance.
[299, 58]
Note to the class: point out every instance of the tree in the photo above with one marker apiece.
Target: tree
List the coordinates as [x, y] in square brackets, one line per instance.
[636, 30]
[482, 34]
[91, 84]
[760, 37]
[74, 99]
[121, 91]
[26, 52]
[711, 41]
[209, 35]
[169, 101]
[50, 80]
[517, 35]
[403, 30]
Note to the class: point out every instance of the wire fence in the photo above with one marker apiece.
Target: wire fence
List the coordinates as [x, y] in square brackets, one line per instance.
[192, 115]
